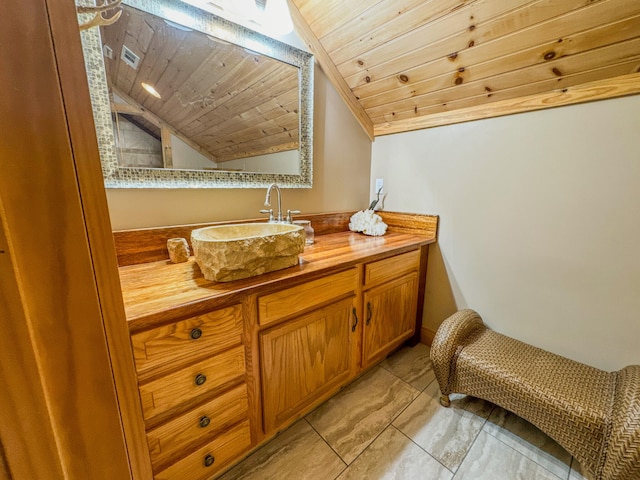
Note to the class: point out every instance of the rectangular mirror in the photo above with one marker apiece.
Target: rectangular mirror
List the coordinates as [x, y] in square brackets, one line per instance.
[185, 99]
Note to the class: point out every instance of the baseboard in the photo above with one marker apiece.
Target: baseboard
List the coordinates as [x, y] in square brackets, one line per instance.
[426, 336]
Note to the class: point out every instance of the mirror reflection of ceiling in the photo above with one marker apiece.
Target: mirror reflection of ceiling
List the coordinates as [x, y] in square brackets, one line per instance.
[229, 102]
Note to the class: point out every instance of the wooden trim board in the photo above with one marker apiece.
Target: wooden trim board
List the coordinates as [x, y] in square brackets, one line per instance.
[600, 90]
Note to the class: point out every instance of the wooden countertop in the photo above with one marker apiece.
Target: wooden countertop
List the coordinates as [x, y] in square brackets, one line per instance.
[160, 291]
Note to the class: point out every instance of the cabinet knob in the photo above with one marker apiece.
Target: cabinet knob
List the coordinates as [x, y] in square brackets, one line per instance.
[204, 422]
[200, 379]
[195, 334]
[208, 460]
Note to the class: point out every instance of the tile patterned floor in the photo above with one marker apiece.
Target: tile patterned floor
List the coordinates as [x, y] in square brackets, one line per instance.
[389, 425]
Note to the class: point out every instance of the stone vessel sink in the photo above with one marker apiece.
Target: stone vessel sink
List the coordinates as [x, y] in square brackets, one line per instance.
[231, 252]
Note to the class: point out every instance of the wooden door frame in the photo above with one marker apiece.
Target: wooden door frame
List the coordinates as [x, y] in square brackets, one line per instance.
[70, 408]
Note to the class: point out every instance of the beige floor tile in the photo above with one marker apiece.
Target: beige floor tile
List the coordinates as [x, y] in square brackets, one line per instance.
[490, 459]
[445, 433]
[392, 456]
[298, 453]
[425, 441]
[353, 418]
[413, 365]
[529, 441]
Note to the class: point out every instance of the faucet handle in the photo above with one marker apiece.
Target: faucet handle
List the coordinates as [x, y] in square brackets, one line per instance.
[292, 212]
[270, 212]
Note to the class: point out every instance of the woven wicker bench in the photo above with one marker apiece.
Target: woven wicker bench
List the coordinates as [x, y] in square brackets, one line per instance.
[594, 415]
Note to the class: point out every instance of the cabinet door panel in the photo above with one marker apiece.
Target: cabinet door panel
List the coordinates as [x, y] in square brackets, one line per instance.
[304, 359]
[389, 316]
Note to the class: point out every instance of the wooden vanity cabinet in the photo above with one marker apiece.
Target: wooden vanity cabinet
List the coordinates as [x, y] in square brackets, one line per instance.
[192, 382]
[323, 333]
[390, 302]
[311, 346]
[215, 385]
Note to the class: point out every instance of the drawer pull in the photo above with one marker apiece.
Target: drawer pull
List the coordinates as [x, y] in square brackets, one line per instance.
[355, 317]
[204, 422]
[208, 460]
[200, 379]
[369, 313]
[195, 334]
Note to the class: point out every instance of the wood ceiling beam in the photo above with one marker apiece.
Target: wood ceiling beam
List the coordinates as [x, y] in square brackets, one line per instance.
[599, 90]
[330, 69]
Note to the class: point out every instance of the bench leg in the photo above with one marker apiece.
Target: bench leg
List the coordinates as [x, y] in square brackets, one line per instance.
[445, 401]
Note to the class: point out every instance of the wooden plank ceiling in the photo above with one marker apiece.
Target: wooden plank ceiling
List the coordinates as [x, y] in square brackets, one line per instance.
[407, 64]
[223, 100]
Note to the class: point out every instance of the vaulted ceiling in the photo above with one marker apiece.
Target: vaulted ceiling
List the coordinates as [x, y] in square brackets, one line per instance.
[407, 64]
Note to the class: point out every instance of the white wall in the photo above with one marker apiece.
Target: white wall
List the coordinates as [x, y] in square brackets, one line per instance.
[540, 223]
[184, 156]
[341, 173]
[287, 161]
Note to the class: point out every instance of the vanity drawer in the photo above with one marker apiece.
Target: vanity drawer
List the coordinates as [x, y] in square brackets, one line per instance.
[169, 439]
[169, 391]
[384, 270]
[211, 458]
[174, 344]
[284, 303]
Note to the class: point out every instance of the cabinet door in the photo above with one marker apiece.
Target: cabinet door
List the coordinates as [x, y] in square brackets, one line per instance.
[389, 317]
[306, 359]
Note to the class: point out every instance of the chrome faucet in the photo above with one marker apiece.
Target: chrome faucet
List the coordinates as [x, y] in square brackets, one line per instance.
[267, 202]
[278, 218]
